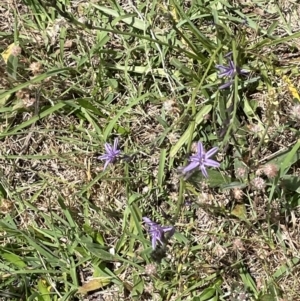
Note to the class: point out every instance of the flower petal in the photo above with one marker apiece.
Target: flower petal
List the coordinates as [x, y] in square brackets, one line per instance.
[116, 144]
[153, 242]
[211, 163]
[203, 170]
[108, 148]
[228, 54]
[200, 150]
[103, 157]
[106, 163]
[224, 73]
[231, 65]
[221, 67]
[211, 152]
[243, 71]
[167, 228]
[226, 85]
[147, 221]
[190, 167]
[195, 158]
[117, 152]
[172, 232]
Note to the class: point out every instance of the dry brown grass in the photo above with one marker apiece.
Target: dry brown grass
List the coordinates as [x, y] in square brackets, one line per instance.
[267, 239]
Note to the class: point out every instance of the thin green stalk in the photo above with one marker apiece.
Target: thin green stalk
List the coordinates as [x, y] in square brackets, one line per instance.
[193, 106]
[69, 17]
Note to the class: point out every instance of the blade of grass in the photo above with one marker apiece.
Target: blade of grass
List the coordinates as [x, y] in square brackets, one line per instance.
[185, 137]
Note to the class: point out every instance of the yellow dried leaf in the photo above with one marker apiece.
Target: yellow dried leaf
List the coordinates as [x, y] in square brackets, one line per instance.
[94, 284]
[239, 211]
[291, 87]
[169, 10]
[7, 52]
[174, 13]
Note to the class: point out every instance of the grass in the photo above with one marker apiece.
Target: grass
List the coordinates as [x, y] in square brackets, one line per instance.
[76, 75]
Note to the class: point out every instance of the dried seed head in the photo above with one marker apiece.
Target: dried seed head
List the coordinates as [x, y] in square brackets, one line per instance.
[242, 296]
[21, 94]
[150, 269]
[173, 196]
[241, 172]
[258, 183]
[35, 68]
[173, 137]
[170, 106]
[145, 189]
[194, 147]
[219, 250]
[259, 172]
[68, 44]
[83, 20]
[270, 170]
[149, 289]
[207, 117]
[237, 193]
[6, 206]
[295, 112]
[16, 50]
[238, 245]
[255, 128]
[28, 102]
[155, 172]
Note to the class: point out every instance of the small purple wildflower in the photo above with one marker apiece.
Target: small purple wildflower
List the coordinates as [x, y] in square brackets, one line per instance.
[111, 154]
[157, 232]
[230, 71]
[201, 160]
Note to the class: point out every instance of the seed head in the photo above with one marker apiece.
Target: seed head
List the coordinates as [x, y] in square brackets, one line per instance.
[258, 183]
[21, 94]
[168, 105]
[35, 68]
[68, 44]
[241, 172]
[173, 137]
[194, 147]
[237, 193]
[207, 117]
[238, 245]
[16, 50]
[259, 172]
[6, 206]
[241, 296]
[173, 196]
[28, 102]
[171, 107]
[295, 112]
[255, 128]
[270, 170]
[219, 250]
[150, 269]
[149, 289]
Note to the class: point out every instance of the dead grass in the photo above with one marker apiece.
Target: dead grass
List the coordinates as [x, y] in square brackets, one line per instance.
[56, 156]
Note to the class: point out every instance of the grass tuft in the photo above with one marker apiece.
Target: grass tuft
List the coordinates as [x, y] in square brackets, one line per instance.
[159, 76]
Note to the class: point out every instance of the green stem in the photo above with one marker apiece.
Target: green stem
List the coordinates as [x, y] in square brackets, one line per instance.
[193, 105]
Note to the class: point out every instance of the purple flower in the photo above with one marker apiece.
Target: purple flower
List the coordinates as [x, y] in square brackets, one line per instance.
[111, 153]
[201, 160]
[157, 232]
[229, 71]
